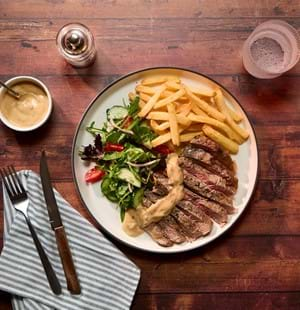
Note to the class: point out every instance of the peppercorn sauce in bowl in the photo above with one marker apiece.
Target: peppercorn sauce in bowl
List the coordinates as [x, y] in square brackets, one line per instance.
[31, 110]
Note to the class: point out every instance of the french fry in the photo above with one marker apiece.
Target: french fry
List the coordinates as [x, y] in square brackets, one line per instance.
[165, 116]
[161, 139]
[145, 89]
[239, 130]
[183, 120]
[222, 107]
[202, 92]
[186, 137]
[155, 126]
[217, 124]
[169, 99]
[144, 97]
[142, 103]
[226, 143]
[184, 109]
[205, 106]
[158, 116]
[172, 85]
[163, 126]
[154, 81]
[152, 101]
[173, 124]
[168, 93]
[197, 110]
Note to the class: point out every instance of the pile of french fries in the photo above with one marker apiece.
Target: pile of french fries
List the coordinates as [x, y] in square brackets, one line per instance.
[178, 112]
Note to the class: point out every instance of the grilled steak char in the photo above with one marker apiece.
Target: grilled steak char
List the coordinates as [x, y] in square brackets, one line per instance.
[212, 209]
[183, 224]
[212, 164]
[212, 180]
[213, 148]
[205, 190]
[209, 187]
[156, 231]
[171, 230]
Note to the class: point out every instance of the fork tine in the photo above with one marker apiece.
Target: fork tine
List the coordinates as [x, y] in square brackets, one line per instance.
[11, 181]
[6, 184]
[12, 168]
[16, 181]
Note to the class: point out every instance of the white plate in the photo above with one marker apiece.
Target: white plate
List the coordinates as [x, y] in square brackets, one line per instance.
[105, 212]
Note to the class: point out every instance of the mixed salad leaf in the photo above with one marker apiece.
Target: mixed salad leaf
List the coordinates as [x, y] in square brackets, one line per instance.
[122, 152]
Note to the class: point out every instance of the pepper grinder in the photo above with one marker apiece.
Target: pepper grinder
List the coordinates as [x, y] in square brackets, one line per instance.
[76, 44]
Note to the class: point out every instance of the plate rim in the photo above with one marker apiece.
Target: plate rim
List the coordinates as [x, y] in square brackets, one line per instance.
[122, 77]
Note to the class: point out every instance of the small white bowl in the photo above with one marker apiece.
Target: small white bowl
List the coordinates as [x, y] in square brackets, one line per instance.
[19, 79]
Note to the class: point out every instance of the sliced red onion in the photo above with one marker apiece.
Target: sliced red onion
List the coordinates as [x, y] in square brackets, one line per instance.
[130, 132]
[149, 163]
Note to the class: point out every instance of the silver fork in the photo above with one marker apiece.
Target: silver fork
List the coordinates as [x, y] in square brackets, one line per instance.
[19, 199]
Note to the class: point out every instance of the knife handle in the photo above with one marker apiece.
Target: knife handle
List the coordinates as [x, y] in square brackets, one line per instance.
[67, 261]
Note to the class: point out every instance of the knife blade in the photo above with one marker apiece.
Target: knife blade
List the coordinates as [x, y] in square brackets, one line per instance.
[58, 227]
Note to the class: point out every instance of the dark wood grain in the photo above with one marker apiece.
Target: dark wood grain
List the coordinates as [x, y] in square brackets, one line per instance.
[256, 264]
[148, 8]
[232, 301]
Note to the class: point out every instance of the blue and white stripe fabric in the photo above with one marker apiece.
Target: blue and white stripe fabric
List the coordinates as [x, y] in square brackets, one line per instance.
[108, 279]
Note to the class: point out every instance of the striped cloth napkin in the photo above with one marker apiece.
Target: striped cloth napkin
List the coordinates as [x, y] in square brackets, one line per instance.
[108, 279]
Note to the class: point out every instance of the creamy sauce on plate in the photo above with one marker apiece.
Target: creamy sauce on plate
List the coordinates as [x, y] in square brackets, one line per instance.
[141, 217]
[27, 111]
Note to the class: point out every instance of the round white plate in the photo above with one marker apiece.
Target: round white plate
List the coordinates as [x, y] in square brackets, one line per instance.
[105, 212]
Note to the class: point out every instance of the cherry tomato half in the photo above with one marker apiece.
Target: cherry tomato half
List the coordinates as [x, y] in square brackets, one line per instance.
[93, 175]
[162, 149]
[113, 147]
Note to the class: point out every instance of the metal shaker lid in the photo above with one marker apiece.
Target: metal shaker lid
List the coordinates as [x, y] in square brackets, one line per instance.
[75, 42]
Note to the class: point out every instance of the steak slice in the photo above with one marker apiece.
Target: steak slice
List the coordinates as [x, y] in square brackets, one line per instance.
[207, 160]
[213, 209]
[203, 189]
[212, 180]
[189, 208]
[172, 230]
[189, 225]
[213, 148]
[192, 227]
[168, 225]
[157, 234]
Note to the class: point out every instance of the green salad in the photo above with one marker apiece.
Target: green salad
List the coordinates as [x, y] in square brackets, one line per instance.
[123, 156]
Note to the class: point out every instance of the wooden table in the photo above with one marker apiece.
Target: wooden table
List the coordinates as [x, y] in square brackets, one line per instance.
[256, 265]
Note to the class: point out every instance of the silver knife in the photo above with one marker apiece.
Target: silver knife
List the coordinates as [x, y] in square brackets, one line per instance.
[58, 227]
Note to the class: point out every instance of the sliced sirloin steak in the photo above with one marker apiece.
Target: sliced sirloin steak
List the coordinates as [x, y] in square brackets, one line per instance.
[212, 180]
[201, 188]
[157, 234]
[189, 208]
[168, 225]
[214, 210]
[210, 163]
[214, 148]
[191, 226]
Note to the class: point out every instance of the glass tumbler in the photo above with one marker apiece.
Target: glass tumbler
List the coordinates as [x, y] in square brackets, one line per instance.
[272, 49]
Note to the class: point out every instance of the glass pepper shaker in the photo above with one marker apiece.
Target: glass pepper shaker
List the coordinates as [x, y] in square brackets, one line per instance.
[76, 44]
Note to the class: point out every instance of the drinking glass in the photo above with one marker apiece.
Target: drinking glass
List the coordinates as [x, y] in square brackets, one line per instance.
[272, 49]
